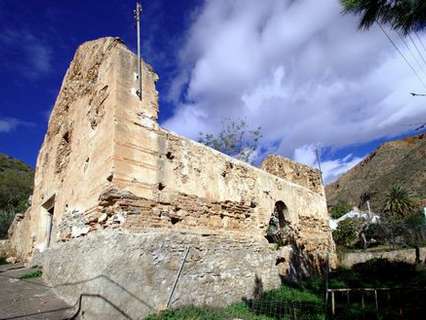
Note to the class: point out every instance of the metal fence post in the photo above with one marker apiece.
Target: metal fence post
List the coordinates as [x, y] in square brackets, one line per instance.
[177, 277]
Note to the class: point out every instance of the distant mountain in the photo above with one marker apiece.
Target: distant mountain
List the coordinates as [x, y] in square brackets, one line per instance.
[397, 162]
[16, 183]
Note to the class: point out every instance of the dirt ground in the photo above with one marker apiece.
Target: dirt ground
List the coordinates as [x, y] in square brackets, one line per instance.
[28, 298]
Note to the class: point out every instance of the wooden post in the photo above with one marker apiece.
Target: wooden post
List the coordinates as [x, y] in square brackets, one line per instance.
[332, 303]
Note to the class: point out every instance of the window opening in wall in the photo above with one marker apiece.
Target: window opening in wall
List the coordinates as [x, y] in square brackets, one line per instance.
[48, 210]
[278, 230]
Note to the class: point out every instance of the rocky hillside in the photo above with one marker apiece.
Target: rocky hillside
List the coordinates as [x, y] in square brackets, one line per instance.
[16, 183]
[397, 162]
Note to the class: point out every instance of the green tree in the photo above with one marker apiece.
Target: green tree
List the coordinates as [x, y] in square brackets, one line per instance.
[399, 203]
[401, 15]
[235, 139]
[340, 209]
[347, 232]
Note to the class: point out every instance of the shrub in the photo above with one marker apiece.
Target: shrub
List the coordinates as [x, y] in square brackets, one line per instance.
[32, 274]
[377, 232]
[380, 271]
[287, 301]
[347, 231]
[340, 209]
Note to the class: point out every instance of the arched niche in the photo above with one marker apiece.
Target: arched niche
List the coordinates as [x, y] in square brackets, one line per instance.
[277, 223]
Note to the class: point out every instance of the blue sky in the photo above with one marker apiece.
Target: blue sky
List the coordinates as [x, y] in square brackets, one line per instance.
[301, 71]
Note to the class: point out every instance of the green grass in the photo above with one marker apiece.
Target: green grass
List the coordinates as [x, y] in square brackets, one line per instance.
[304, 299]
[31, 274]
[275, 304]
[239, 310]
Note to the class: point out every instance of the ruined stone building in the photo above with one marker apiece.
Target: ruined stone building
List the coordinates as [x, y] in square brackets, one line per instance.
[117, 200]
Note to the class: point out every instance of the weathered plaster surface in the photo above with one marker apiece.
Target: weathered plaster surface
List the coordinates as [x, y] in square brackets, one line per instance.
[119, 189]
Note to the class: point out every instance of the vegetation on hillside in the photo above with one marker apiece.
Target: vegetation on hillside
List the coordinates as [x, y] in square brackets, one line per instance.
[16, 184]
[400, 162]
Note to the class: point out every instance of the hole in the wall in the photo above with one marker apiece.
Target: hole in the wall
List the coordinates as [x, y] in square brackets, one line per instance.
[174, 220]
[276, 231]
[66, 137]
[86, 164]
[170, 155]
[253, 204]
[110, 177]
[279, 260]
[161, 186]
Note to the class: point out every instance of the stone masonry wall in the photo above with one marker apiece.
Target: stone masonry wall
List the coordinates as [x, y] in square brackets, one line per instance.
[348, 259]
[118, 197]
[133, 273]
[295, 172]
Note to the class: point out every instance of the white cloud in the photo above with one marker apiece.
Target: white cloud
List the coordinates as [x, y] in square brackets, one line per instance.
[34, 54]
[10, 124]
[299, 69]
[331, 169]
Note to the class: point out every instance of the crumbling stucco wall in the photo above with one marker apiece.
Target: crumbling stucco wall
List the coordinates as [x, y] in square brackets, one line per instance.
[295, 172]
[106, 168]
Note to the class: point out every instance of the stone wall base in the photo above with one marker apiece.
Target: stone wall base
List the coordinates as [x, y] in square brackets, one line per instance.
[130, 275]
[348, 259]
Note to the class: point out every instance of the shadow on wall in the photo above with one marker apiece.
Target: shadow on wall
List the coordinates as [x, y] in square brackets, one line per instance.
[85, 299]
[303, 264]
[294, 262]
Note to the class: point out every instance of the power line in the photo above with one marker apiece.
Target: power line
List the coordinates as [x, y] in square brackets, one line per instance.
[420, 40]
[417, 49]
[402, 55]
[413, 56]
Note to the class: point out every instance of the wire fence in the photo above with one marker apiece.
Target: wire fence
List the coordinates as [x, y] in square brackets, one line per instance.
[279, 309]
[376, 303]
